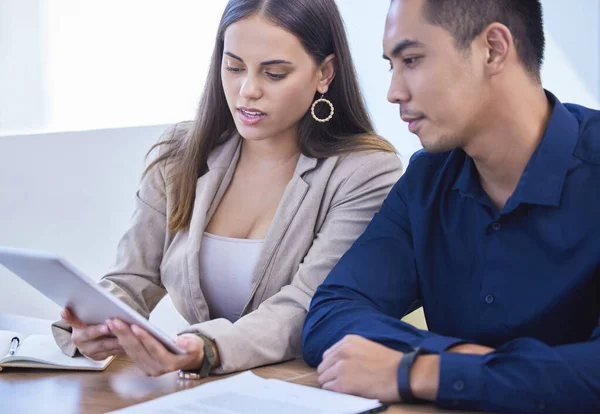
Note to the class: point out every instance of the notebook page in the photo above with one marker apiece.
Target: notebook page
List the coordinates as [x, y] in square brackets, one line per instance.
[43, 349]
[249, 393]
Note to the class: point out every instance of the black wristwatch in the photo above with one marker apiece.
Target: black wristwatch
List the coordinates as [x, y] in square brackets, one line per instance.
[404, 367]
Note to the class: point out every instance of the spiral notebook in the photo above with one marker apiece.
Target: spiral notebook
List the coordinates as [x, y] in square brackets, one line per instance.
[28, 343]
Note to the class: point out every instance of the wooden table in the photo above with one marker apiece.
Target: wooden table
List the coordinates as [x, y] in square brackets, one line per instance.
[122, 385]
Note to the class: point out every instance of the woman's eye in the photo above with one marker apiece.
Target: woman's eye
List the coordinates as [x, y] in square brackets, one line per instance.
[232, 69]
[275, 76]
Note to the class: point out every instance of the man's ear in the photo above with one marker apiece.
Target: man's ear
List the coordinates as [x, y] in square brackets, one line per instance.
[499, 43]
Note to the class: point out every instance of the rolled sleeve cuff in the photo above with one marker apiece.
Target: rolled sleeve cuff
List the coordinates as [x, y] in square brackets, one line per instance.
[62, 335]
[223, 333]
[460, 380]
[437, 344]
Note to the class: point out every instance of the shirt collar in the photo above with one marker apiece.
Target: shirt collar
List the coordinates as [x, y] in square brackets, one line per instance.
[467, 181]
[544, 176]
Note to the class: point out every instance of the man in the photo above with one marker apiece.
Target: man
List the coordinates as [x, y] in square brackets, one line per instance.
[494, 229]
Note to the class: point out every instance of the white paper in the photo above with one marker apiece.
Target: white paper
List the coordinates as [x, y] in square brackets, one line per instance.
[249, 393]
[37, 347]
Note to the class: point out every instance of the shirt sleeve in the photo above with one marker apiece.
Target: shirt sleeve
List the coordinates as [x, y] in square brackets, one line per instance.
[524, 376]
[371, 288]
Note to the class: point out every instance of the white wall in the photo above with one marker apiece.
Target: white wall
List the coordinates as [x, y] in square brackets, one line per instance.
[572, 67]
[122, 63]
[573, 40]
[72, 193]
[68, 65]
[22, 85]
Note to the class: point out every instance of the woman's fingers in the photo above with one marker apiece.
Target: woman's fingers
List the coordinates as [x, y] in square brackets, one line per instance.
[135, 349]
[94, 342]
[71, 319]
[90, 333]
[102, 349]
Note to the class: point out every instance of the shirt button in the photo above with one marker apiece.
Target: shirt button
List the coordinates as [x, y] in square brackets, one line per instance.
[496, 226]
[489, 299]
[459, 386]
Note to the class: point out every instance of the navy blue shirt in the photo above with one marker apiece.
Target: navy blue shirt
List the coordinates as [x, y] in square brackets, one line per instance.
[524, 280]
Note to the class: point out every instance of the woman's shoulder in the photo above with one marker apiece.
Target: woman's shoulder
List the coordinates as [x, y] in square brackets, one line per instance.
[356, 171]
[365, 157]
[181, 128]
[368, 163]
[161, 156]
[169, 140]
[174, 134]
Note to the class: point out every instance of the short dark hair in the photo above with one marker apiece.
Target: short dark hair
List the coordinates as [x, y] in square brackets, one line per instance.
[466, 19]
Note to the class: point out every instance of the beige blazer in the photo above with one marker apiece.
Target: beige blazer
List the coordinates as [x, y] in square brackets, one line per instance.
[325, 207]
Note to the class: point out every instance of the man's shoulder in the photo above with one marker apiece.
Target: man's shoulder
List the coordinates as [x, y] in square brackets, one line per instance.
[588, 145]
[583, 113]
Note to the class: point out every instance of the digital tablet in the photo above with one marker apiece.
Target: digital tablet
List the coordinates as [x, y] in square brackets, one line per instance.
[69, 288]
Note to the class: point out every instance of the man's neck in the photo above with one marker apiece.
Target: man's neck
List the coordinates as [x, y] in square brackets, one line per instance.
[512, 135]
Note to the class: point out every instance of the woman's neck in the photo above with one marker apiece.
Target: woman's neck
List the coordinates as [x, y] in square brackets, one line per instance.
[272, 153]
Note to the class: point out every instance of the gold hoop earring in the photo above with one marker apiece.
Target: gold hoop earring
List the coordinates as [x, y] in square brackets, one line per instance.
[328, 102]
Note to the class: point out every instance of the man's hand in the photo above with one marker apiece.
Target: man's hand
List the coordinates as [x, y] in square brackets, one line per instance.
[361, 367]
[151, 356]
[365, 368]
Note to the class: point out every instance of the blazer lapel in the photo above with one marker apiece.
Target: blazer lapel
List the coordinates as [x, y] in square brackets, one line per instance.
[288, 206]
[209, 191]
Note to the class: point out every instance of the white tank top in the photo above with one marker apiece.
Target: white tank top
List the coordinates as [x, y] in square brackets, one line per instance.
[226, 268]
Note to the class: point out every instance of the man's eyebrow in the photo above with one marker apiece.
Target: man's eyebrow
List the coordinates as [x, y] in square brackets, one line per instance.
[401, 46]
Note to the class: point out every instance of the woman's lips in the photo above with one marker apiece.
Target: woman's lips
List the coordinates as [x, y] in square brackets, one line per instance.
[250, 116]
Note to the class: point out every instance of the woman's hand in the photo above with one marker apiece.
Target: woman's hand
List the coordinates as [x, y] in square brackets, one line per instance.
[92, 341]
[151, 356]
